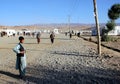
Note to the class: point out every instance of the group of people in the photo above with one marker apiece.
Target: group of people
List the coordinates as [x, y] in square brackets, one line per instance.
[52, 36]
[21, 56]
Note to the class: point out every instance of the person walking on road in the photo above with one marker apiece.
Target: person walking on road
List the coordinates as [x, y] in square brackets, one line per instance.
[38, 37]
[70, 35]
[52, 36]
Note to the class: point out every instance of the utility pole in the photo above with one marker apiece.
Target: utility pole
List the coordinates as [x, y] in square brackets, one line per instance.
[69, 23]
[98, 29]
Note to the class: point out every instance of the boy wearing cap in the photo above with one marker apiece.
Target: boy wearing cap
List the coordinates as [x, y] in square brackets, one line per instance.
[21, 57]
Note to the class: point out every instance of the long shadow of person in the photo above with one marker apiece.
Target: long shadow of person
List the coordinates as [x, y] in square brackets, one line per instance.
[9, 74]
[27, 79]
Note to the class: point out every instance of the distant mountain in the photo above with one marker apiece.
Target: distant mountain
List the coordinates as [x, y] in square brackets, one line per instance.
[63, 26]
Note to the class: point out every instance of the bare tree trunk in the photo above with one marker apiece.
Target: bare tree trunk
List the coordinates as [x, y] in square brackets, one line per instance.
[97, 26]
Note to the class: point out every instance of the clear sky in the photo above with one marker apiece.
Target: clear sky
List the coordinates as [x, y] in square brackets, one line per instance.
[26, 12]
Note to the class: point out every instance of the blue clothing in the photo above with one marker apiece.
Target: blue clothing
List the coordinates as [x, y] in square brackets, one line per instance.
[21, 60]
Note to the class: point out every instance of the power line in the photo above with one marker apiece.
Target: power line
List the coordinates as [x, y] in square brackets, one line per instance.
[74, 7]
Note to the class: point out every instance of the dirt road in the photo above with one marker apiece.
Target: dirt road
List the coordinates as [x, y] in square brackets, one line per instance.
[67, 61]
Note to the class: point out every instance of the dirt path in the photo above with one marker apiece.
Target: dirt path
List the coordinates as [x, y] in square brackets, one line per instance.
[67, 61]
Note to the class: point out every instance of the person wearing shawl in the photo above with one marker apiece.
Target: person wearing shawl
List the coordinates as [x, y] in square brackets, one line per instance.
[52, 36]
[21, 57]
[38, 37]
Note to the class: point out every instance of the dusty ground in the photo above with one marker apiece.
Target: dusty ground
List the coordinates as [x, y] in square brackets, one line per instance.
[113, 44]
[67, 61]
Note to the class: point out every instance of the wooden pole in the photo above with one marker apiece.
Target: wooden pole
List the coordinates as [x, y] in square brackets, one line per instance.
[69, 23]
[98, 29]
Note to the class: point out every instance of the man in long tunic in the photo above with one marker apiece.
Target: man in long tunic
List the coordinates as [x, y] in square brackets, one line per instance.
[21, 57]
[52, 36]
[38, 37]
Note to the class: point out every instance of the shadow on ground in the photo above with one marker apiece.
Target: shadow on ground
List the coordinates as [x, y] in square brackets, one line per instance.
[74, 54]
[9, 74]
[38, 74]
[44, 75]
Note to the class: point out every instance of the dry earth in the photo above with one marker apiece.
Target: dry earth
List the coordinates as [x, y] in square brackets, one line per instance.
[113, 44]
[67, 61]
